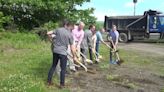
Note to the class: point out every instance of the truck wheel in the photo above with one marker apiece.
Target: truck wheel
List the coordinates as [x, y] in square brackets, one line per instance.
[123, 37]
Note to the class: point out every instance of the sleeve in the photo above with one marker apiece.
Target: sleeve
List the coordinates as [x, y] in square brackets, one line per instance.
[70, 40]
[100, 36]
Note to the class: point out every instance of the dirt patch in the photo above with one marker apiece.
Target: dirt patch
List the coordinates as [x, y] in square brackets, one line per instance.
[122, 78]
[124, 82]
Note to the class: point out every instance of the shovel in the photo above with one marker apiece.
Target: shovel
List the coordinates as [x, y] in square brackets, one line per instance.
[119, 61]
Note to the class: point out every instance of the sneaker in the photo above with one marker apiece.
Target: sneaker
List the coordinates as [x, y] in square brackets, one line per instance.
[50, 83]
[113, 62]
[62, 86]
[119, 62]
[73, 70]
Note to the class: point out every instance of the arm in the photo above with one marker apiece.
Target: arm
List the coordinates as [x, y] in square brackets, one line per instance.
[95, 42]
[81, 38]
[117, 37]
[51, 35]
[72, 47]
[101, 39]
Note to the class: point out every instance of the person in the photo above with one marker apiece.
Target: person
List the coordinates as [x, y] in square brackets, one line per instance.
[99, 40]
[78, 35]
[62, 39]
[114, 34]
[92, 28]
[86, 43]
[94, 39]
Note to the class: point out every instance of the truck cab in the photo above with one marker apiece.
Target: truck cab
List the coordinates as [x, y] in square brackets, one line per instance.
[156, 24]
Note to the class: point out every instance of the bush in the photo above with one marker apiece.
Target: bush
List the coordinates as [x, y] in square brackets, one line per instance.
[4, 20]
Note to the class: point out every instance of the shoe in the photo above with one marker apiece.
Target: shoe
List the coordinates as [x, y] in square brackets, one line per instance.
[50, 83]
[62, 86]
[119, 62]
[96, 62]
[73, 70]
[113, 62]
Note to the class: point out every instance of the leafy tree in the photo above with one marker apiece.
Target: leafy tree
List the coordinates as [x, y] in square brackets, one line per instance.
[35, 13]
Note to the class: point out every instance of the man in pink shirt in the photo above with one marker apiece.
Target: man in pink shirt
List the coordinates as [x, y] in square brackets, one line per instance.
[78, 34]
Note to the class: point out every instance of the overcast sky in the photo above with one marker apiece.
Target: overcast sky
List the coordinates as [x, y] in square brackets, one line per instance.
[122, 7]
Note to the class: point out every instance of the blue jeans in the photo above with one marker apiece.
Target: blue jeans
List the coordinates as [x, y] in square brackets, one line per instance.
[63, 63]
[97, 48]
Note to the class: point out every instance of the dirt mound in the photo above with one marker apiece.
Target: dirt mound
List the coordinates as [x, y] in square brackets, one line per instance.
[116, 80]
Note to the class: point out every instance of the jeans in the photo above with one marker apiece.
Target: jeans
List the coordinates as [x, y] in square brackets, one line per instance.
[63, 63]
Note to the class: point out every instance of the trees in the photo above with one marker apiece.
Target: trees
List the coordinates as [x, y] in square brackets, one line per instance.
[35, 13]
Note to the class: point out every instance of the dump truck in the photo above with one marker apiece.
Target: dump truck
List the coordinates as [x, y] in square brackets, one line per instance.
[136, 27]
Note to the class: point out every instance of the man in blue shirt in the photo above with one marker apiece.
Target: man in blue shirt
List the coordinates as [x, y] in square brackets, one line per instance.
[99, 39]
[114, 37]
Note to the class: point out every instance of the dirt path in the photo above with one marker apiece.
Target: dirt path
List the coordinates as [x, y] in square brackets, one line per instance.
[144, 48]
[121, 78]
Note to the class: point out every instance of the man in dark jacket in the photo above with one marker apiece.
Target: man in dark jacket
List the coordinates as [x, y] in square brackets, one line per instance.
[87, 43]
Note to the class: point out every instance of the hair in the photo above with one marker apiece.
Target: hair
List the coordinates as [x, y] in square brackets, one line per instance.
[91, 26]
[67, 23]
[81, 23]
[113, 26]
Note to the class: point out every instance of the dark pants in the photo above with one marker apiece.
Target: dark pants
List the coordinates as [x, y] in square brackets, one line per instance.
[85, 52]
[63, 63]
[90, 54]
[97, 48]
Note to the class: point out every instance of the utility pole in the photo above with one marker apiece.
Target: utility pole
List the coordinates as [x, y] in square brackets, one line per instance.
[134, 1]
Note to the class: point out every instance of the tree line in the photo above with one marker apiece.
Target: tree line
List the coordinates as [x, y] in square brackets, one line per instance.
[30, 14]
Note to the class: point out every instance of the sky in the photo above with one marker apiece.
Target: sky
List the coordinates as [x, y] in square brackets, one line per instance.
[121, 7]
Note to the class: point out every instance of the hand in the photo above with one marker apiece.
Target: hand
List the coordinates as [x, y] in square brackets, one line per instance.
[74, 58]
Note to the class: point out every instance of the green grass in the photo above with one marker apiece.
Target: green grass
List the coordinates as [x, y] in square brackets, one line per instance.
[162, 90]
[25, 61]
[152, 63]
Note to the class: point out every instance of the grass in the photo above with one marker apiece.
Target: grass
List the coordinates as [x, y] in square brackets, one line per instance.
[150, 62]
[162, 90]
[25, 61]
